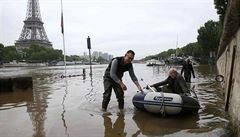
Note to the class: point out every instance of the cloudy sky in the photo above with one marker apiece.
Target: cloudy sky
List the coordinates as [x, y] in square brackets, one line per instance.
[146, 26]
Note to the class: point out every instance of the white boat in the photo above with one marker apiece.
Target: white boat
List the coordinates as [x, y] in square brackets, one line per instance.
[167, 103]
[154, 62]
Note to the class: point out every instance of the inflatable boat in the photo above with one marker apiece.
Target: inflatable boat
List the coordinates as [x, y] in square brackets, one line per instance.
[166, 103]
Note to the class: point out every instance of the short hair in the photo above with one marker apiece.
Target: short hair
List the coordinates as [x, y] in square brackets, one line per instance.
[131, 51]
[172, 70]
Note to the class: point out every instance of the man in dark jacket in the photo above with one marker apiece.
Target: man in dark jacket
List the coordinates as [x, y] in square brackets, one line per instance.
[173, 84]
[113, 79]
[187, 69]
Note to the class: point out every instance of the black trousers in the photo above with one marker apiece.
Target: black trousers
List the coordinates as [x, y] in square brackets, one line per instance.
[109, 84]
[187, 77]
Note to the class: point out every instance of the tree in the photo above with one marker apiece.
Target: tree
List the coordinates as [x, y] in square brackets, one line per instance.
[167, 53]
[1, 46]
[209, 36]
[162, 55]
[221, 6]
[1, 52]
[10, 54]
[192, 49]
[101, 59]
[38, 53]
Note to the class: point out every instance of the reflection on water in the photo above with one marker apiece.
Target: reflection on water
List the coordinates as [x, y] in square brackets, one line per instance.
[63, 107]
[37, 108]
[18, 98]
[115, 129]
[210, 98]
[90, 96]
[72, 106]
[151, 124]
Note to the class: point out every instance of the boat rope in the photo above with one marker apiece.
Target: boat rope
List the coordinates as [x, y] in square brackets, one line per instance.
[162, 108]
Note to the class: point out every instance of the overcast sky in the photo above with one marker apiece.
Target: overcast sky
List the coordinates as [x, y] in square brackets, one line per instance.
[146, 26]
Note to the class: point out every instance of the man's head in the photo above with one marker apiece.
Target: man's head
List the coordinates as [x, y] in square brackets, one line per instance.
[188, 61]
[172, 73]
[129, 56]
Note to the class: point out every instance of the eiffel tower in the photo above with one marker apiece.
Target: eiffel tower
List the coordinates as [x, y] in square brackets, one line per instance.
[33, 31]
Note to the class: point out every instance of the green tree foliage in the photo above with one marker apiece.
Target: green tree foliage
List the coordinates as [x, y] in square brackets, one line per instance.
[149, 57]
[166, 54]
[73, 58]
[1, 52]
[209, 36]
[1, 46]
[10, 54]
[162, 55]
[221, 6]
[101, 59]
[192, 49]
[38, 53]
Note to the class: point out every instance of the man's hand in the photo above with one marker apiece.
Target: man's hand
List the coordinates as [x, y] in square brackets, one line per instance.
[187, 94]
[123, 86]
[139, 88]
[147, 87]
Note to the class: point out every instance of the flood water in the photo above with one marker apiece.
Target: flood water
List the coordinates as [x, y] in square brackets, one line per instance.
[71, 107]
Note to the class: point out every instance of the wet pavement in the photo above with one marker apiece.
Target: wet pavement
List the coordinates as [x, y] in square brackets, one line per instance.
[71, 107]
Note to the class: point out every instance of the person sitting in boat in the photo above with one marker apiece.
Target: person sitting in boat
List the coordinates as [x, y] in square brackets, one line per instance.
[175, 83]
[187, 69]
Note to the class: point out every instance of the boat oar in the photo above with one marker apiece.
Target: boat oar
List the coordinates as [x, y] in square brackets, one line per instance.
[147, 85]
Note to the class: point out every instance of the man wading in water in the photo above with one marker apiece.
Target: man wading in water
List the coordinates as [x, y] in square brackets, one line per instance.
[113, 79]
[188, 69]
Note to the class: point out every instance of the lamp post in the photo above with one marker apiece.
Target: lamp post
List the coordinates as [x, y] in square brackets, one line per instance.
[89, 49]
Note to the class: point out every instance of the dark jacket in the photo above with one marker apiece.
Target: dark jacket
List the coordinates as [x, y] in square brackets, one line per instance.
[177, 85]
[121, 68]
[187, 69]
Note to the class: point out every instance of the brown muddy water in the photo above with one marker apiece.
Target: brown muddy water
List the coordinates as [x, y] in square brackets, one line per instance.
[71, 107]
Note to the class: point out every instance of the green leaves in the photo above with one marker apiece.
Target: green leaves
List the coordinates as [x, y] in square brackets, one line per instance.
[209, 36]
[221, 7]
[9, 53]
[35, 53]
[38, 53]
